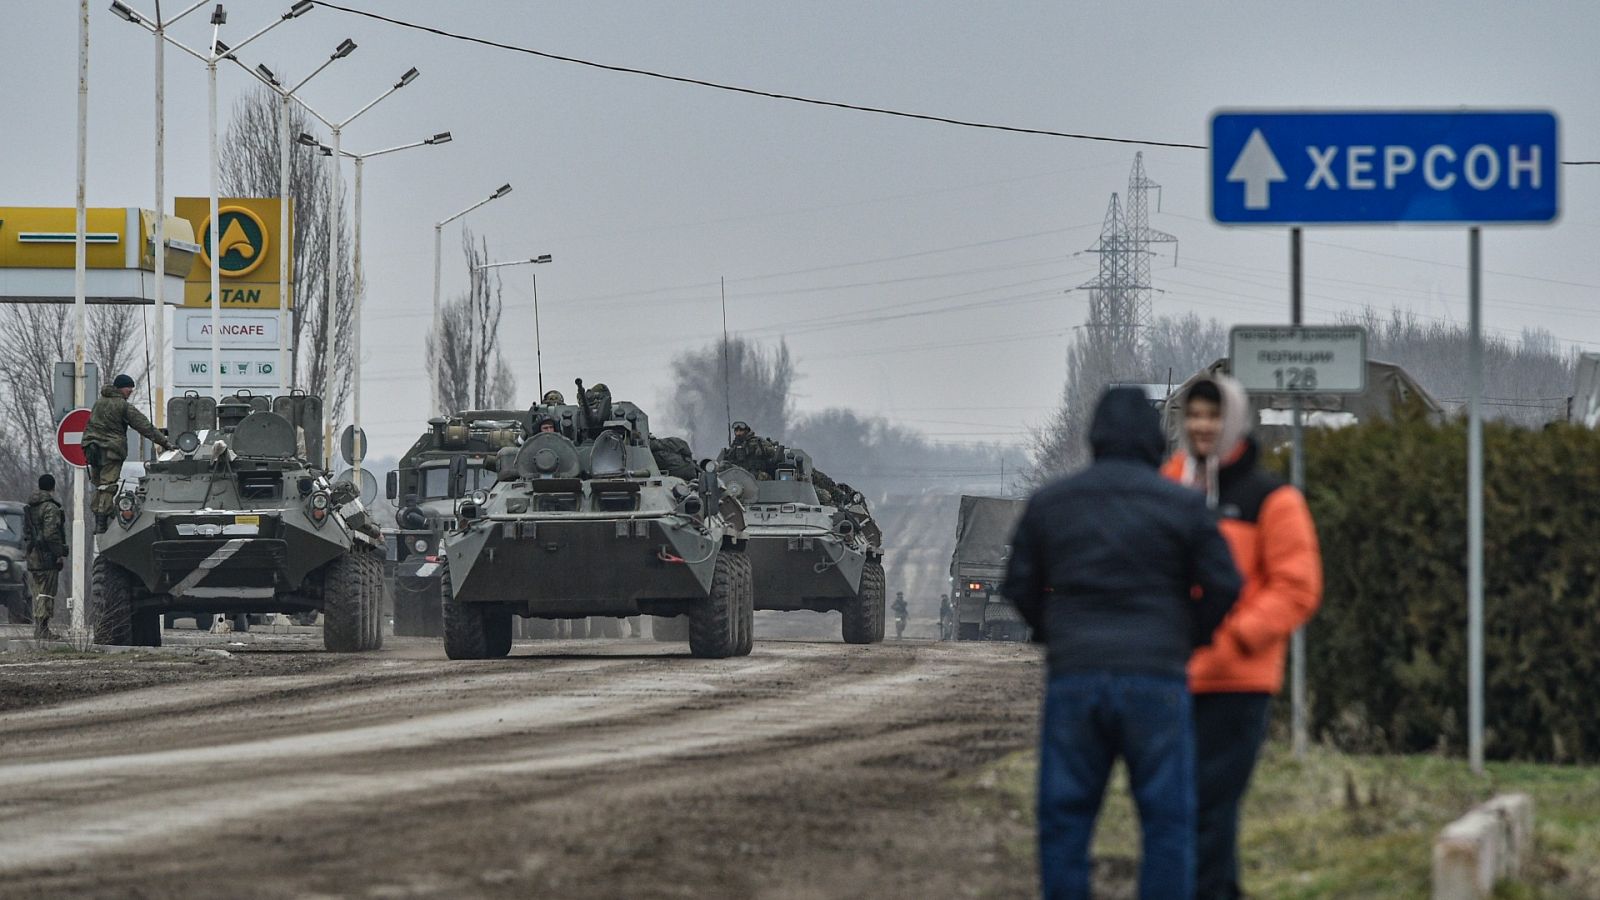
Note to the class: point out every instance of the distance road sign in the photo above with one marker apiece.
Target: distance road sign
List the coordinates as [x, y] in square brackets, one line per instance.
[1351, 166]
[1299, 359]
[69, 437]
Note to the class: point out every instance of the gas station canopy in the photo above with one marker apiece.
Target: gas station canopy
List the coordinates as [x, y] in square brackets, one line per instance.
[37, 255]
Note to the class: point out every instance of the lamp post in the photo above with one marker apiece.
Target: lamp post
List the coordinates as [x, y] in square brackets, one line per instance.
[442, 137]
[333, 154]
[218, 51]
[438, 230]
[538, 351]
[285, 96]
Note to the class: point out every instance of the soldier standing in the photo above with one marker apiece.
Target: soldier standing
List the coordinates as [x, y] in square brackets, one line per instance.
[899, 607]
[45, 538]
[947, 618]
[105, 443]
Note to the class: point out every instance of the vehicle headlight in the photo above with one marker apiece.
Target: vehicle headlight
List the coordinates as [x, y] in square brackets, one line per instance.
[5, 565]
[319, 508]
[127, 509]
[421, 546]
[480, 497]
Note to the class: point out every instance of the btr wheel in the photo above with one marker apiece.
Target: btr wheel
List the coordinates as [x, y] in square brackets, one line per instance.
[114, 588]
[714, 621]
[862, 619]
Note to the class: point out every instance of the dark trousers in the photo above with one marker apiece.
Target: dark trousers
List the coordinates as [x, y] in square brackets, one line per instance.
[1090, 719]
[1228, 732]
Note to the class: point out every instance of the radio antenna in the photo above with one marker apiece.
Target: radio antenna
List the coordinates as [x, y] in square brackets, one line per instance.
[538, 348]
[727, 395]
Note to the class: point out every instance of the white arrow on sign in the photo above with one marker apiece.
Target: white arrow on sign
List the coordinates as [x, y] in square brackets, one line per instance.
[1258, 169]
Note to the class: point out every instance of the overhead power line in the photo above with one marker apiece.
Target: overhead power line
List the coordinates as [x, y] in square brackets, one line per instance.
[774, 95]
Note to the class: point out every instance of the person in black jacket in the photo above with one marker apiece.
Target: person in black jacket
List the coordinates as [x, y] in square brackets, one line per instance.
[1121, 574]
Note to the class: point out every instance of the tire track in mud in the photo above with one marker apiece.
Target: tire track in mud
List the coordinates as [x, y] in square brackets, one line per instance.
[669, 708]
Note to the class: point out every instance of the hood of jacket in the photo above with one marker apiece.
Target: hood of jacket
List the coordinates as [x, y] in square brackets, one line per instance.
[110, 390]
[39, 497]
[1127, 427]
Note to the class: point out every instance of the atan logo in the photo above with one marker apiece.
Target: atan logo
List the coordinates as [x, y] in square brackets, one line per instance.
[242, 246]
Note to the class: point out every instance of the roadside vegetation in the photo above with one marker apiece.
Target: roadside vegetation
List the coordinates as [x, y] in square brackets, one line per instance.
[1345, 826]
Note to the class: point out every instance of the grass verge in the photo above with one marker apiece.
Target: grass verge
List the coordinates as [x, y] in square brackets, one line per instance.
[1346, 826]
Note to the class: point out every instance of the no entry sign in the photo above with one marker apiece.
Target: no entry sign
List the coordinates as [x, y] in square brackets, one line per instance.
[69, 437]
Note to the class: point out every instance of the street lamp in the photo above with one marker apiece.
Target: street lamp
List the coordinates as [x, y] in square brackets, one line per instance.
[438, 231]
[333, 154]
[218, 51]
[285, 96]
[538, 351]
[442, 137]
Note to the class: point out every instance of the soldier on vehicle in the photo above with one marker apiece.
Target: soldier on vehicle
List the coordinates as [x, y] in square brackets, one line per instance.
[105, 443]
[45, 540]
[553, 398]
[900, 611]
[756, 455]
[547, 425]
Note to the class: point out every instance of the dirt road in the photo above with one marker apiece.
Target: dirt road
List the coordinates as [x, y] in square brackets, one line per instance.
[573, 769]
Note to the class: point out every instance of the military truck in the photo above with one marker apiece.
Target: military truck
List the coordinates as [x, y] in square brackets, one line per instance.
[14, 588]
[809, 553]
[237, 520]
[453, 458]
[983, 547]
[583, 522]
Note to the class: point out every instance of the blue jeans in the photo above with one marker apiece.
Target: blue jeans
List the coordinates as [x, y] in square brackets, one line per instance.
[1090, 719]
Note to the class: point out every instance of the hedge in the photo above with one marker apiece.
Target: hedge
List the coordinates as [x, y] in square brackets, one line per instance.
[1386, 660]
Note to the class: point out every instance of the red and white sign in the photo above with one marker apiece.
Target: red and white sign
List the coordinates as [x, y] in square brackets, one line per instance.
[69, 437]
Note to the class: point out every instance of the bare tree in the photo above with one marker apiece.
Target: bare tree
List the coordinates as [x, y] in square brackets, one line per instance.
[1526, 379]
[465, 359]
[33, 337]
[1175, 349]
[250, 168]
[731, 375]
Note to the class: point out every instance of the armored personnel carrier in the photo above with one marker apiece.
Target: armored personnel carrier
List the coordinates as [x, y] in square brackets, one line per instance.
[14, 589]
[811, 553]
[583, 522]
[453, 458]
[237, 520]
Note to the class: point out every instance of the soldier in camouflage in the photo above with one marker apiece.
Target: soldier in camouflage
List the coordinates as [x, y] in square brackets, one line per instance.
[45, 539]
[756, 455]
[554, 398]
[105, 443]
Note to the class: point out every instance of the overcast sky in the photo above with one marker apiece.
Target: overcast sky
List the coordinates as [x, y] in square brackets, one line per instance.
[955, 245]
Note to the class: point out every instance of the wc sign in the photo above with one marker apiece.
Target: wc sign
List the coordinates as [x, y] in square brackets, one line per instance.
[1377, 166]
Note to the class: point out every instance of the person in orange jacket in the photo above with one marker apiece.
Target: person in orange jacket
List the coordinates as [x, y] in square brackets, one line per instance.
[1274, 543]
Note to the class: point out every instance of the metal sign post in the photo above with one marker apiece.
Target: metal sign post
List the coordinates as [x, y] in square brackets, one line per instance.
[1298, 167]
[1297, 477]
[1474, 503]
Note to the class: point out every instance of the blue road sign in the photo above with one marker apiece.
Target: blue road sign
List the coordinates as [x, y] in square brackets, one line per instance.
[1384, 166]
